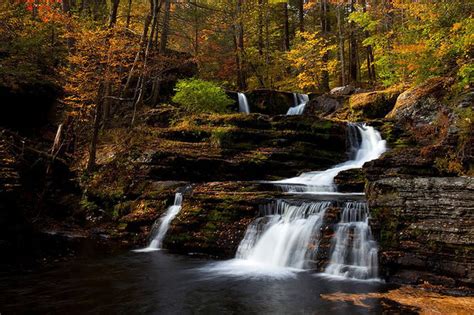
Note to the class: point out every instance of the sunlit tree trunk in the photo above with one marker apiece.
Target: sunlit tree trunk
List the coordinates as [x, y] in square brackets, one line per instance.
[341, 46]
[325, 28]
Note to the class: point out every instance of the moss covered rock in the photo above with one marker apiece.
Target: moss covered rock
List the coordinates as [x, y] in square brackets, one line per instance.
[374, 104]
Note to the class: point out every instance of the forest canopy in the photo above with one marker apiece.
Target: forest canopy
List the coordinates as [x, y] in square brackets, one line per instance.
[123, 53]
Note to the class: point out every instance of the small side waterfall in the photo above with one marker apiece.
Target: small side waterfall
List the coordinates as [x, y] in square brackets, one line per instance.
[354, 252]
[300, 101]
[243, 103]
[287, 236]
[161, 226]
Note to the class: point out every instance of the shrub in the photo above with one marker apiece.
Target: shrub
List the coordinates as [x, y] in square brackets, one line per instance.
[200, 96]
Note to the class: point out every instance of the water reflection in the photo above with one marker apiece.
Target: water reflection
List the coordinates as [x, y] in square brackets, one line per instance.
[161, 283]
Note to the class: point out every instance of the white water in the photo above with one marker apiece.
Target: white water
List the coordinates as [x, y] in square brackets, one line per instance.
[371, 147]
[300, 101]
[284, 240]
[354, 252]
[243, 103]
[161, 226]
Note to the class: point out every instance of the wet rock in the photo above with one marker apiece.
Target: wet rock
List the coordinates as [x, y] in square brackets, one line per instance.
[350, 181]
[215, 216]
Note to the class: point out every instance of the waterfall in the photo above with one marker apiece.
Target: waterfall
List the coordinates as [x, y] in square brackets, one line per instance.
[366, 144]
[160, 227]
[287, 236]
[284, 239]
[243, 103]
[300, 101]
[353, 250]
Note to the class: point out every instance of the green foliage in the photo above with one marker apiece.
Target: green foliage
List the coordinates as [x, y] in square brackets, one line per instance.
[423, 40]
[200, 96]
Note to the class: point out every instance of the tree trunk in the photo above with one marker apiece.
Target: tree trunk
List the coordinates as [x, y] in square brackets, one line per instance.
[166, 27]
[341, 47]
[95, 131]
[301, 14]
[129, 12]
[326, 28]
[66, 6]
[113, 13]
[260, 27]
[370, 52]
[140, 90]
[286, 27]
[353, 53]
[239, 47]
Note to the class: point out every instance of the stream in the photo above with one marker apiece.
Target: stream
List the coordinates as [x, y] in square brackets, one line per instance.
[162, 283]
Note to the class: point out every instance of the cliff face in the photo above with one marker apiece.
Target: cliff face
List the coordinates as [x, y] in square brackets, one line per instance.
[421, 193]
[425, 229]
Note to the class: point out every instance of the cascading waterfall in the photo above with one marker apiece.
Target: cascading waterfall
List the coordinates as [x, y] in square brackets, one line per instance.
[243, 103]
[284, 239]
[287, 236]
[354, 252]
[370, 147]
[161, 226]
[300, 101]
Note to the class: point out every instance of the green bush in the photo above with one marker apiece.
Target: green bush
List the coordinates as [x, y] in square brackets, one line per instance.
[200, 96]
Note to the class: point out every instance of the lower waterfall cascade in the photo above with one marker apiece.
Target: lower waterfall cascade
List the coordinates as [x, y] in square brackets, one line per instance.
[285, 237]
[161, 226]
[354, 252]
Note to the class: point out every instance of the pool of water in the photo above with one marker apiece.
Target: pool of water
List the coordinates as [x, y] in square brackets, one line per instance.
[161, 283]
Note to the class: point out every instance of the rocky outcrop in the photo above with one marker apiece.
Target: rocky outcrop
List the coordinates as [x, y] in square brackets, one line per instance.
[421, 103]
[420, 193]
[269, 102]
[215, 216]
[372, 105]
[322, 106]
[231, 147]
[342, 91]
[424, 228]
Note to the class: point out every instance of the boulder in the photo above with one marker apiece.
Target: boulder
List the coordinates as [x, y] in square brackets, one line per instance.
[322, 105]
[342, 91]
[421, 103]
[269, 102]
[372, 105]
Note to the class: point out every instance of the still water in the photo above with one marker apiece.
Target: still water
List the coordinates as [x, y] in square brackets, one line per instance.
[161, 283]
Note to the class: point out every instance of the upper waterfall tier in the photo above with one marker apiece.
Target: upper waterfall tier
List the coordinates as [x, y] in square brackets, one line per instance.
[243, 103]
[300, 101]
[366, 144]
